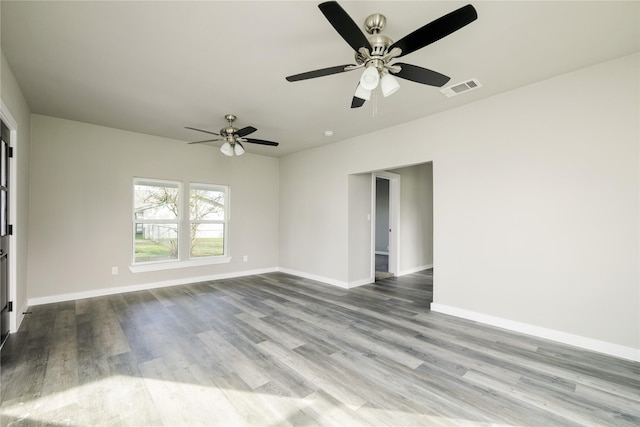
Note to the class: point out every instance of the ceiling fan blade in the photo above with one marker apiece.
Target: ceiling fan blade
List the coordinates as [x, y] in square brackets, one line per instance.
[436, 30]
[206, 140]
[344, 25]
[260, 141]
[200, 130]
[246, 131]
[360, 96]
[357, 102]
[421, 75]
[320, 73]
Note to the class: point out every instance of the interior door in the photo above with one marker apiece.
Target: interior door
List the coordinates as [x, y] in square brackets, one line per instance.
[5, 232]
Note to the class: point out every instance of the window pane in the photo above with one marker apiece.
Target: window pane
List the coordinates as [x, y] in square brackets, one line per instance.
[156, 242]
[156, 201]
[207, 240]
[206, 205]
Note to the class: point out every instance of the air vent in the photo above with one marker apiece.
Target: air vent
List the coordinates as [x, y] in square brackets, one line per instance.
[459, 88]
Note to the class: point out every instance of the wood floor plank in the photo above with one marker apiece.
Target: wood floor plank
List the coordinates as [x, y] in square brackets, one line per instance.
[278, 350]
[323, 379]
[234, 359]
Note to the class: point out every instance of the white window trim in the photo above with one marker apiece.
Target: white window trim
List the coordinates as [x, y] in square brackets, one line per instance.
[175, 264]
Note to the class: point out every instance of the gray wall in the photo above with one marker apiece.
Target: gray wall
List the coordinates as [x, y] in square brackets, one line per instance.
[81, 196]
[536, 202]
[416, 217]
[359, 230]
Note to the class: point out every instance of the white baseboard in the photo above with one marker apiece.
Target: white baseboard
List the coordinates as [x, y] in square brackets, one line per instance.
[145, 286]
[327, 280]
[153, 285]
[415, 269]
[540, 332]
[361, 282]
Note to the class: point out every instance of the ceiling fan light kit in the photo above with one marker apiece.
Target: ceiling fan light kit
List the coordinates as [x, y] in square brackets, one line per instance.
[238, 149]
[389, 84]
[226, 149]
[233, 137]
[370, 78]
[375, 52]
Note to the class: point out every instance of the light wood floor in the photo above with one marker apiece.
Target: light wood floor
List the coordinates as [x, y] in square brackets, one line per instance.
[277, 350]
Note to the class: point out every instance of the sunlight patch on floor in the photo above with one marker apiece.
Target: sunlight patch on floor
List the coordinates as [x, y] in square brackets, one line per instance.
[135, 401]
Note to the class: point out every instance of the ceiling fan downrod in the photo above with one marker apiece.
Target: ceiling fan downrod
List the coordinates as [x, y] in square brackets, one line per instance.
[229, 131]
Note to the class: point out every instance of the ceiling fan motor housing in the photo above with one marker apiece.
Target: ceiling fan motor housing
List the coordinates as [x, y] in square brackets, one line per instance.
[229, 131]
[379, 44]
[373, 25]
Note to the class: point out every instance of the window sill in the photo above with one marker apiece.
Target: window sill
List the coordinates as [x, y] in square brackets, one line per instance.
[171, 265]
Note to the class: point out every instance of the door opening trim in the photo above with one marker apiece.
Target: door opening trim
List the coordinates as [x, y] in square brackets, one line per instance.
[14, 320]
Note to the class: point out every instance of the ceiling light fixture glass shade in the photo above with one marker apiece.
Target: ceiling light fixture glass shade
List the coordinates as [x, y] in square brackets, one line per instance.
[389, 84]
[226, 149]
[370, 78]
[238, 149]
[362, 93]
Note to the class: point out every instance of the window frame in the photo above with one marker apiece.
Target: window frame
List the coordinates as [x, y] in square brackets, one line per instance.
[225, 222]
[184, 222]
[177, 221]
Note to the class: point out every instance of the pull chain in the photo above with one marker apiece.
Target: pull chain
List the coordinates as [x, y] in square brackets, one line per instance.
[374, 103]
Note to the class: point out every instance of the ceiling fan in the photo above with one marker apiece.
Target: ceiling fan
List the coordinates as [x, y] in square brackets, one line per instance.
[233, 137]
[376, 51]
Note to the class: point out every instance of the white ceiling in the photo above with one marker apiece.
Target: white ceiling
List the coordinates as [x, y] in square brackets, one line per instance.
[156, 67]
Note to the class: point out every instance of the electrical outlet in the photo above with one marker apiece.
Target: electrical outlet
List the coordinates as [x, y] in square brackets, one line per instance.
[114, 270]
[246, 258]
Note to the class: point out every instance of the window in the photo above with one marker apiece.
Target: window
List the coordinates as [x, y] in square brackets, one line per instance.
[207, 220]
[162, 236]
[156, 220]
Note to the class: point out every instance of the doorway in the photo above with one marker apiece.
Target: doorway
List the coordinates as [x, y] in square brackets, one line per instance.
[385, 227]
